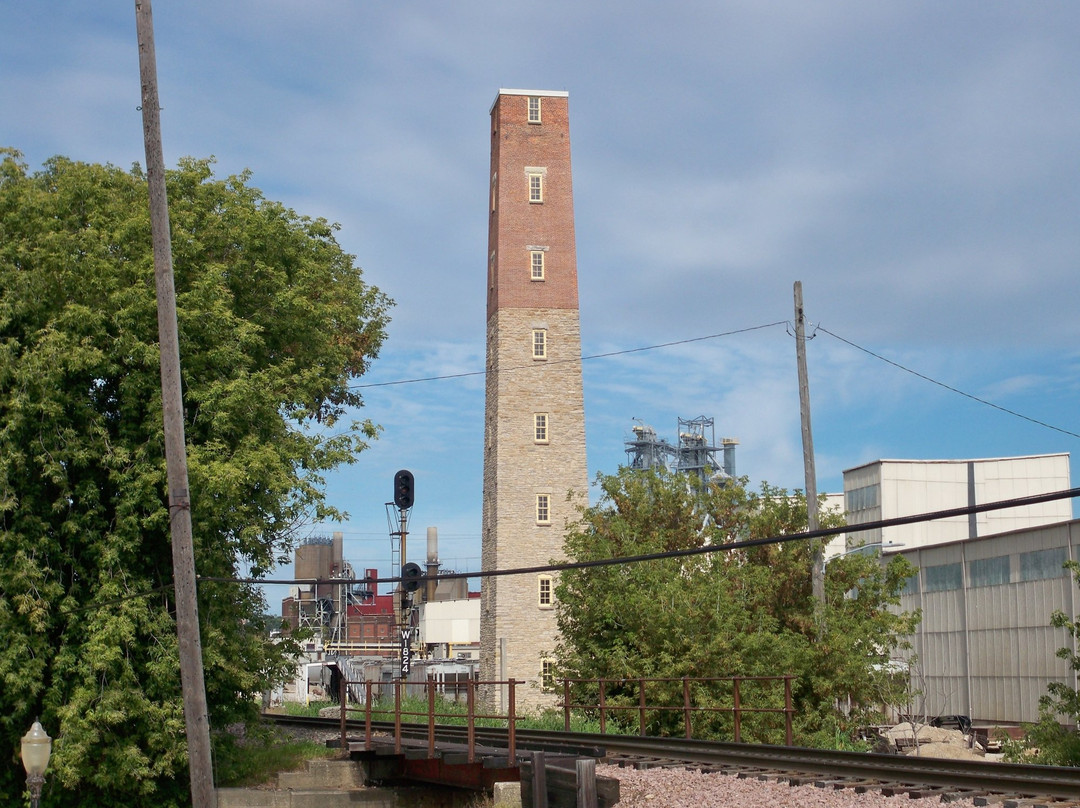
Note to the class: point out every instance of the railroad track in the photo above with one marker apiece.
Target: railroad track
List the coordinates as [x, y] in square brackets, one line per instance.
[987, 782]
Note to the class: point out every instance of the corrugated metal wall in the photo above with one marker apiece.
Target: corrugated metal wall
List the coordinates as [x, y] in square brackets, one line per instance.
[985, 647]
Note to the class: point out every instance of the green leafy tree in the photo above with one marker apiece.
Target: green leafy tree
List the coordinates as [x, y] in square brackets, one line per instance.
[740, 612]
[275, 321]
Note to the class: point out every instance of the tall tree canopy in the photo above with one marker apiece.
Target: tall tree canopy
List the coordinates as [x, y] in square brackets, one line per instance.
[739, 612]
[275, 321]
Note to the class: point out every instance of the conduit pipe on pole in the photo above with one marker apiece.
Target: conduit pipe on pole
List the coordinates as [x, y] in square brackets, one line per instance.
[196, 716]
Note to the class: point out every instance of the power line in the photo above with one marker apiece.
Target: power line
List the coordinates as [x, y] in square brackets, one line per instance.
[564, 361]
[606, 562]
[948, 387]
[967, 510]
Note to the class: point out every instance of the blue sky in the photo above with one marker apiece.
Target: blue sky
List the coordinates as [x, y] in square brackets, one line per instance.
[914, 164]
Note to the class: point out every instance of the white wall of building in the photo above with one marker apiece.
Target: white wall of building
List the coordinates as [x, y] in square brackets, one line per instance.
[887, 489]
[835, 545]
[450, 622]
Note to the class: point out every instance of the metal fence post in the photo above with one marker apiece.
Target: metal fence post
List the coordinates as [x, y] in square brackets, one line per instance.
[367, 714]
[431, 716]
[603, 709]
[686, 707]
[641, 706]
[511, 723]
[344, 700]
[788, 710]
[737, 710]
[397, 716]
[470, 720]
[566, 704]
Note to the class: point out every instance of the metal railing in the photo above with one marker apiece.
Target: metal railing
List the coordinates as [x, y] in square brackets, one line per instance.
[709, 689]
[431, 688]
[603, 707]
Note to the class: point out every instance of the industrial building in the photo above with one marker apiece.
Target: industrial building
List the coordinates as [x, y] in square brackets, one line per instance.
[351, 619]
[985, 647]
[885, 489]
[987, 583]
[695, 452]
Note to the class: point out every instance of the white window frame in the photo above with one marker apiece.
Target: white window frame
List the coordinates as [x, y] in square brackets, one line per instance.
[533, 107]
[539, 343]
[536, 265]
[547, 675]
[541, 424]
[543, 509]
[545, 588]
[536, 188]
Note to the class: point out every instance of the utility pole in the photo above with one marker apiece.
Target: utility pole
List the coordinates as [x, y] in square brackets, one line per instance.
[196, 718]
[817, 574]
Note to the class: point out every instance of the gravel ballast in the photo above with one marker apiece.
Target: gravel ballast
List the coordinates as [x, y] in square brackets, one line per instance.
[677, 788]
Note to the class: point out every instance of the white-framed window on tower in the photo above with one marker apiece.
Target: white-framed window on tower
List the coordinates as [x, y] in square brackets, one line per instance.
[536, 188]
[545, 592]
[543, 509]
[540, 427]
[539, 343]
[534, 109]
[536, 265]
[547, 675]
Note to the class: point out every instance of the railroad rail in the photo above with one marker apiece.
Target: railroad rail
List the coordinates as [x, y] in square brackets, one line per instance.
[916, 776]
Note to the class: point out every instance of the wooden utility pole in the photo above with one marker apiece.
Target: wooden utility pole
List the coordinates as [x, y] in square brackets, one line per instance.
[196, 717]
[817, 574]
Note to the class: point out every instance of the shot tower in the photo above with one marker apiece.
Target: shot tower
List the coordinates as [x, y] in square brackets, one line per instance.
[534, 429]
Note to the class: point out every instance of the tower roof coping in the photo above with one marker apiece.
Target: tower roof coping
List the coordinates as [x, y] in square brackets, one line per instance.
[544, 93]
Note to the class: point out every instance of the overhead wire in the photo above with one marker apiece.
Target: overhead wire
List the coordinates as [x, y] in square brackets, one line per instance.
[895, 521]
[786, 323]
[583, 358]
[948, 387]
[824, 532]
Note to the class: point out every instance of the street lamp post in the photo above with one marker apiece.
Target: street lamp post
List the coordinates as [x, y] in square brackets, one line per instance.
[36, 748]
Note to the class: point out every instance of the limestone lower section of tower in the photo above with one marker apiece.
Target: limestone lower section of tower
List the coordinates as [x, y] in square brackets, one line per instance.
[522, 474]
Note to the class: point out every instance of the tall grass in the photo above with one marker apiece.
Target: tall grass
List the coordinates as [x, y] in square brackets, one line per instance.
[257, 758]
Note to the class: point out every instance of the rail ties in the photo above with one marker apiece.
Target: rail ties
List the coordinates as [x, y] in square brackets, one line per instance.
[859, 784]
[1022, 801]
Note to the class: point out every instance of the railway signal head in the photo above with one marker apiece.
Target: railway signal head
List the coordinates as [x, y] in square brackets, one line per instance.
[403, 489]
[411, 575]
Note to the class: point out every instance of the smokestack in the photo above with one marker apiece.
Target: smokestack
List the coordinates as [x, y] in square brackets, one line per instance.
[432, 563]
[433, 545]
[729, 445]
[338, 555]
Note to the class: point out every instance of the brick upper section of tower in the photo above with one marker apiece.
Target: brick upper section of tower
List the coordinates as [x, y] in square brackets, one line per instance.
[520, 226]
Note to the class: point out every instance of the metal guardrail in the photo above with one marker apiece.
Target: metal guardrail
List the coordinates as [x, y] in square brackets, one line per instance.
[603, 706]
[430, 715]
[688, 708]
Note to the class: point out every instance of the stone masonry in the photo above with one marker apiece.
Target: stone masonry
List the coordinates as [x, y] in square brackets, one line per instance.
[529, 159]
